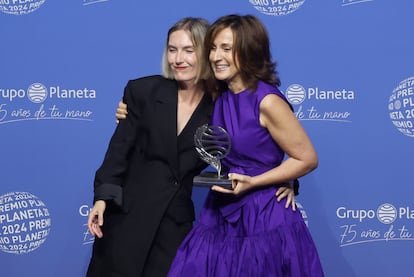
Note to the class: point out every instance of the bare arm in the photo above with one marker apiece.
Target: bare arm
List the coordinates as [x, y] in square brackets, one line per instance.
[285, 129]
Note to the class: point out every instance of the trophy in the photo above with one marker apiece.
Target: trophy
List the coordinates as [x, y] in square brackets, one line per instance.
[212, 143]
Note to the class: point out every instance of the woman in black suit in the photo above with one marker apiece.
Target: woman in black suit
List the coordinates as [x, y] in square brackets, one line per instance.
[144, 184]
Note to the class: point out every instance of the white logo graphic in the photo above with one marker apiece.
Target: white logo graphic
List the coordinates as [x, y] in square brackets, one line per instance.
[37, 93]
[303, 213]
[47, 103]
[361, 227]
[20, 7]
[401, 107]
[84, 211]
[24, 222]
[277, 7]
[296, 94]
[386, 213]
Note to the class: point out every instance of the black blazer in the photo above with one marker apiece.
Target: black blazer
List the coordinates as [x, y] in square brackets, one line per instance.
[147, 173]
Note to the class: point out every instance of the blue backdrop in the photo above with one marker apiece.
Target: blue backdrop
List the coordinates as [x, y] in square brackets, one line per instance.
[345, 65]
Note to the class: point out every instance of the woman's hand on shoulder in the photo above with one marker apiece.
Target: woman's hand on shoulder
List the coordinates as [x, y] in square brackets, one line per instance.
[121, 111]
[95, 219]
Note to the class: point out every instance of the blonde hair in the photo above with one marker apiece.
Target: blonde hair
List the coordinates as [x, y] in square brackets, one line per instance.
[197, 29]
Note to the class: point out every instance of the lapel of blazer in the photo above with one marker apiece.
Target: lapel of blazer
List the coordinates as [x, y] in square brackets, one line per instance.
[166, 100]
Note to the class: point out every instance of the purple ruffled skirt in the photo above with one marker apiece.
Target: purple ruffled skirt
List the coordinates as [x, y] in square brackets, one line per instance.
[253, 235]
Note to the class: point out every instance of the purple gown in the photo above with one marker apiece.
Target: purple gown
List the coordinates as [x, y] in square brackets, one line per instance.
[252, 235]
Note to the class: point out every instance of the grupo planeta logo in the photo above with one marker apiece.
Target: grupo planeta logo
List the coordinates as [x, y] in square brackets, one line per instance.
[385, 223]
[41, 102]
[20, 7]
[277, 7]
[306, 103]
[401, 107]
[24, 222]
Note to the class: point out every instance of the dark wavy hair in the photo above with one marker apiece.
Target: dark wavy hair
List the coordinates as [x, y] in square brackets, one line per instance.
[251, 46]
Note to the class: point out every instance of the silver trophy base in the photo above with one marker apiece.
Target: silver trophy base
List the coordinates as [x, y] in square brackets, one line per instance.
[208, 179]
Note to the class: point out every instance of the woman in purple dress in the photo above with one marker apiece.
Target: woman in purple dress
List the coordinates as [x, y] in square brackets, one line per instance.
[246, 231]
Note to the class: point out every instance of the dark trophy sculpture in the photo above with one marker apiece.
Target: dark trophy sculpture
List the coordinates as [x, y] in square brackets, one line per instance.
[212, 143]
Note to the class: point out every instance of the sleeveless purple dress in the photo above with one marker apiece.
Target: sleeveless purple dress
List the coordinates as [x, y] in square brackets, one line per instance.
[252, 235]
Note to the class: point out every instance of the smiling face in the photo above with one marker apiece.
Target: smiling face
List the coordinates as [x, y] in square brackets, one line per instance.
[222, 61]
[182, 57]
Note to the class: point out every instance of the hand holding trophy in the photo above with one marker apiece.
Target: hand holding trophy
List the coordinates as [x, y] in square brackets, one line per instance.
[212, 143]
